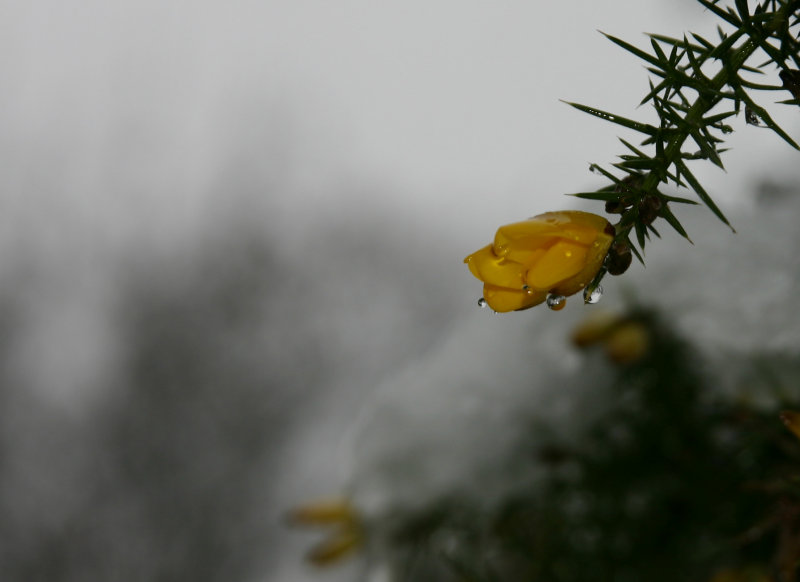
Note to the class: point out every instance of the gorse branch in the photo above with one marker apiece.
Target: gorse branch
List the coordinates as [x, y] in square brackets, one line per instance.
[691, 78]
[696, 86]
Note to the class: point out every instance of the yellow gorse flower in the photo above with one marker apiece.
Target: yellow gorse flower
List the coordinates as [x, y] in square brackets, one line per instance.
[556, 252]
[342, 520]
[625, 340]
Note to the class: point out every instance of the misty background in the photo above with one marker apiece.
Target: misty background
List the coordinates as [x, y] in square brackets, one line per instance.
[222, 225]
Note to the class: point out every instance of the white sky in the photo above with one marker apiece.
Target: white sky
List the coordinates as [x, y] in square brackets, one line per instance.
[125, 116]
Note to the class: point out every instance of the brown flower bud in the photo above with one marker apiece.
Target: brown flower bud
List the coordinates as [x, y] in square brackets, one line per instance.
[617, 206]
[629, 183]
[650, 208]
[619, 258]
[791, 81]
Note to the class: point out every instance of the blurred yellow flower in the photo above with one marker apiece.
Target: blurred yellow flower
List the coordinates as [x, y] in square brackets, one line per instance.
[346, 534]
[792, 421]
[555, 252]
[624, 339]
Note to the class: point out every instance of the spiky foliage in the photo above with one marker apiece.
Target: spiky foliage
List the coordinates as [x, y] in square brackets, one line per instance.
[696, 86]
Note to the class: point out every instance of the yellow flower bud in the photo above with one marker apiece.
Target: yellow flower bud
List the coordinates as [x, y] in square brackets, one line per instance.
[555, 252]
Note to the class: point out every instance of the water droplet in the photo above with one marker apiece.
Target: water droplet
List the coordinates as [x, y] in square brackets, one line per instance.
[556, 302]
[593, 295]
[751, 117]
[501, 250]
[482, 303]
[727, 129]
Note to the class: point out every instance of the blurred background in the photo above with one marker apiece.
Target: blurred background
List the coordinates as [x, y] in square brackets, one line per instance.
[223, 224]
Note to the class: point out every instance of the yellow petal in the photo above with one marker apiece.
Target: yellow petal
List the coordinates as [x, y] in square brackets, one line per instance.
[473, 259]
[575, 225]
[532, 228]
[525, 249]
[502, 300]
[324, 511]
[585, 224]
[596, 254]
[562, 261]
[490, 268]
[579, 233]
[528, 251]
[332, 549]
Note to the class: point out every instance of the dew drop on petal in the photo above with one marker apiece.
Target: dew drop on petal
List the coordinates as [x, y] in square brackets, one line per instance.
[593, 295]
[556, 302]
[482, 303]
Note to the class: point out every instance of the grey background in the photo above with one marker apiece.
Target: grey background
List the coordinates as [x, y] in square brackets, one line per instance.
[223, 223]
